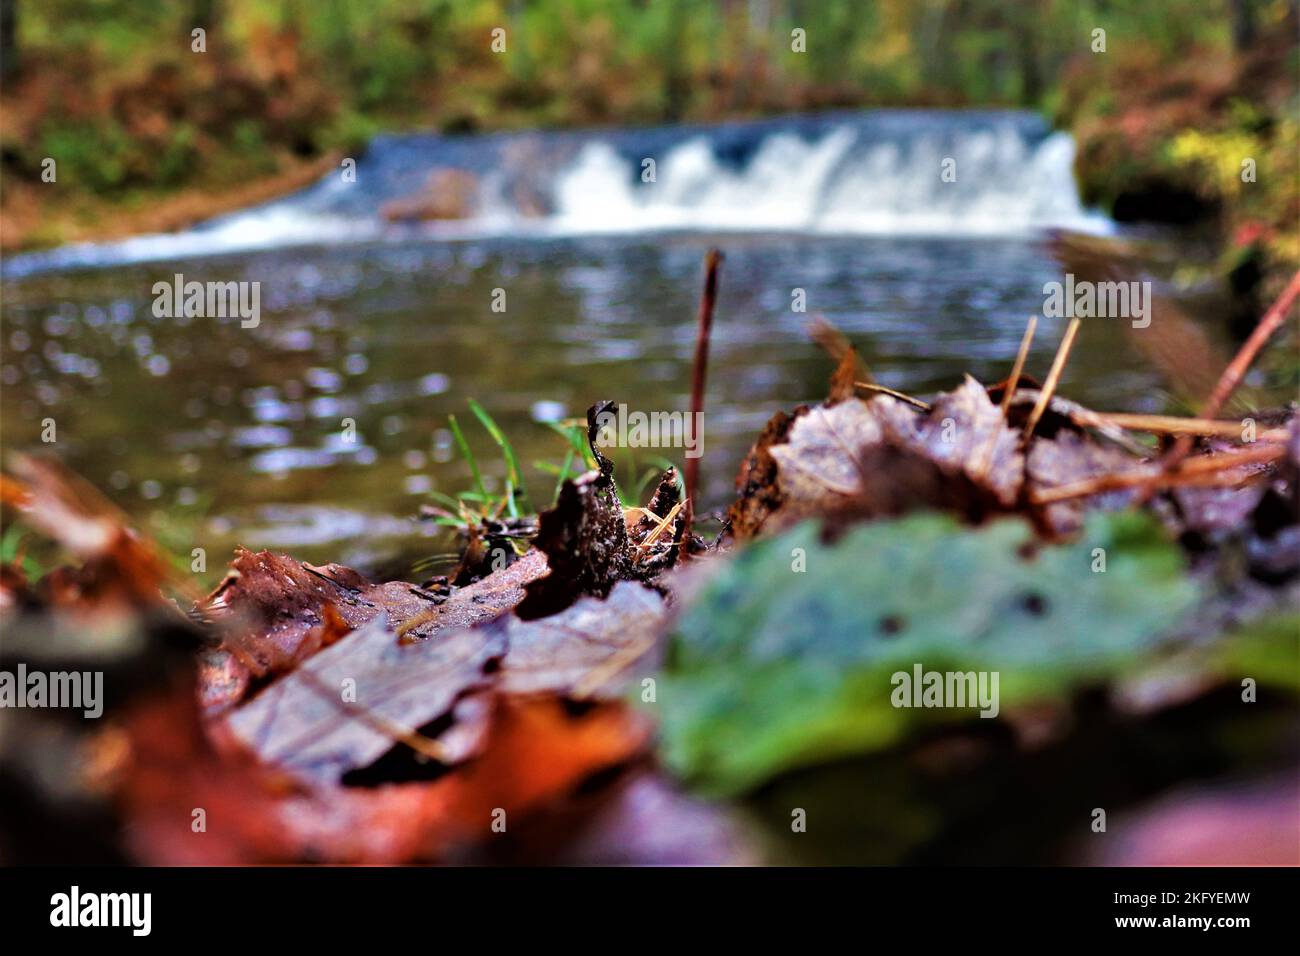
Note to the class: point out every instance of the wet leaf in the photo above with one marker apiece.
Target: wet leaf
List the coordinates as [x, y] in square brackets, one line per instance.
[351, 703]
[758, 493]
[271, 609]
[534, 753]
[340, 710]
[590, 649]
[1065, 458]
[851, 459]
[770, 668]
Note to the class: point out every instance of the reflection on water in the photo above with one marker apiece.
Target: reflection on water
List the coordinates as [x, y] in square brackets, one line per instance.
[245, 427]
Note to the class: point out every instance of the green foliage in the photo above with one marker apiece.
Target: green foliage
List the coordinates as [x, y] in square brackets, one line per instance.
[358, 67]
[771, 668]
[1267, 650]
[13, 548]
[577, 457]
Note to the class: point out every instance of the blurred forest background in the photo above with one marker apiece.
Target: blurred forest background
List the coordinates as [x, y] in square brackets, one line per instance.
[152, 135]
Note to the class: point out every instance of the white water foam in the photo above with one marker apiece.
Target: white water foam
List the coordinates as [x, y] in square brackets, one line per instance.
[840, 182]
[1004, 186]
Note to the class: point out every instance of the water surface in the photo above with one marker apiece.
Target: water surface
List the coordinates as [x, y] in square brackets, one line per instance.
[237, 434]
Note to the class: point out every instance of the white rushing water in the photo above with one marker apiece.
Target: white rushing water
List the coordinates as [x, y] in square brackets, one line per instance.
[868, 174]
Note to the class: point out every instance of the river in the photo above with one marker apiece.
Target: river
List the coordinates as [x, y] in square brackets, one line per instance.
[217, 434]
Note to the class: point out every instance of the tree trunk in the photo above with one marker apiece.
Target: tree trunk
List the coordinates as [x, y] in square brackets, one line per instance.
[1243, 24]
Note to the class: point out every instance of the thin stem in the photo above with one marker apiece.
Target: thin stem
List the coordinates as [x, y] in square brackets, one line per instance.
[1236, 371]
[1054, 376]
[894, 393]
[1019, 365]
[700, 368]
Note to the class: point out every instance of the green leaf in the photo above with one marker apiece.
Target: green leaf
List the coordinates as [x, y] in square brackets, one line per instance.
[1267, 650]
[771, 668]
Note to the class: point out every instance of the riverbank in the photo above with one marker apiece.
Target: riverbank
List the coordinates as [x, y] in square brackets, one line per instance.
[32, 222]
[1211, 142]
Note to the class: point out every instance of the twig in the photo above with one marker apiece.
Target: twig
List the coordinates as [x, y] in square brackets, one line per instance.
[1083, 416]
[1172, 425]
[700, 368]
[1192, 472]
[1019, 365]
[894, 393]
[658, 529]
[1237, 368]
[1058, 364]
[983, 458]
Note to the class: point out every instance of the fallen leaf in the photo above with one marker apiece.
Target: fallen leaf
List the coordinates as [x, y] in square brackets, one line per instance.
[535, 752]
[758, 493]
[588, 649]
[1068, 457]
[270, 608]
[338, 711]
[770, 669]
[850, 459]
[348, 705]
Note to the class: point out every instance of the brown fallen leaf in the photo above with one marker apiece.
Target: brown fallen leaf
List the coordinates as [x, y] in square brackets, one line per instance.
[758, 492]
[822, 467]
[1069, 457]
[184, 803]
[351, 703]
[271, 607]
[587, 650]
[120, 570]
[964, 433]
[535, 752]
[852, 459]
[344, 708]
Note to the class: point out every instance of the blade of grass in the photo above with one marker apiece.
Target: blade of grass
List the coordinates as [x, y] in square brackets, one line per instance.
[564, 473]
[576, 435]
[513, 472]
[469, 455]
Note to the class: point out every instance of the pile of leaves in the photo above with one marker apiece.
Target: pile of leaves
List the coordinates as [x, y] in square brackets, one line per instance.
[623, 691]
